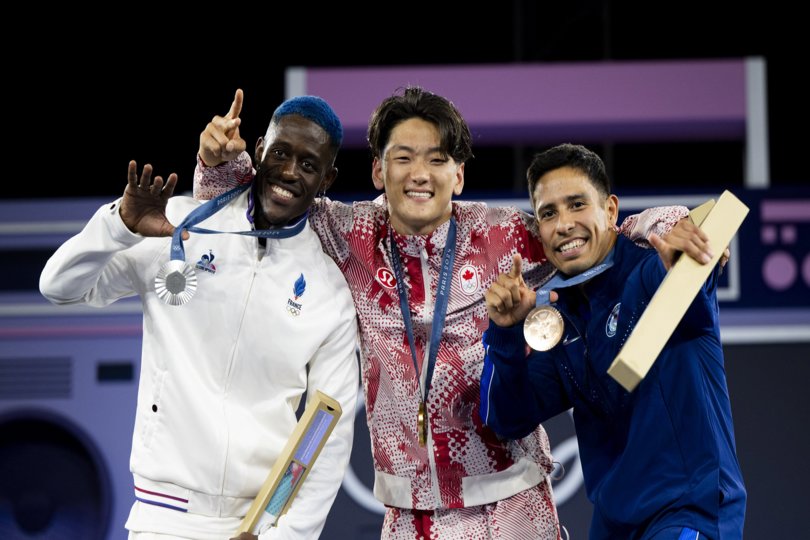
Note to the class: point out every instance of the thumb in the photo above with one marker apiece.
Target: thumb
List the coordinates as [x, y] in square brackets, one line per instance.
[657, 242]
[169, 231]
[665, 251]
[517, 266]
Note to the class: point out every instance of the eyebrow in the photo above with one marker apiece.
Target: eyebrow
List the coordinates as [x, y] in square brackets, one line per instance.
[569, 199]
[412, 150]
[286, 145]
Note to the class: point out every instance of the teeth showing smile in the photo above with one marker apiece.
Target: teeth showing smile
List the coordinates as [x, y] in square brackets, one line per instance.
[281, 192]
[419, 194]
[571, 245]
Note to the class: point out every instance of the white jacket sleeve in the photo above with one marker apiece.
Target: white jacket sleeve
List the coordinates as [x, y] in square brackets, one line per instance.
[89, 268]
[334, 371]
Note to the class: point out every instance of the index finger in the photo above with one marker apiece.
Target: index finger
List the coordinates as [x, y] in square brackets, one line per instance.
[690, 227]
[236, 106]
[517, 266]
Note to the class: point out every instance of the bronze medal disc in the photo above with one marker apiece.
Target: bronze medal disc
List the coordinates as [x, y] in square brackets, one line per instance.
[543, 328]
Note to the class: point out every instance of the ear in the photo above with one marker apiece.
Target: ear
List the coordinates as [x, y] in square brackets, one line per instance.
[259, 151]
[377, 174]
[329, 179]
[459, 187]
[612, 209]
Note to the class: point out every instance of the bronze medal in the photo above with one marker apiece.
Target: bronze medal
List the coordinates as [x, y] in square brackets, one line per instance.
[421, 424]
[176, 282]
[543, 328]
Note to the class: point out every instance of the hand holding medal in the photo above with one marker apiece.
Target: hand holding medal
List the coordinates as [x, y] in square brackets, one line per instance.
[510, 301]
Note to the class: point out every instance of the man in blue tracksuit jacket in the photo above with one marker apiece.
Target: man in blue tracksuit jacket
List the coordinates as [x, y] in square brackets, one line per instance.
[659, 462]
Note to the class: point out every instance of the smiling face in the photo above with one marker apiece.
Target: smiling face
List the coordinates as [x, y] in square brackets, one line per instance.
[419, 179]
[296, 162]
[577, 222]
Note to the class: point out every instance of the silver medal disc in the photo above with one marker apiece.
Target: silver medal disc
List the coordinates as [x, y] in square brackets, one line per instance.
[176, 282]
[543, 328]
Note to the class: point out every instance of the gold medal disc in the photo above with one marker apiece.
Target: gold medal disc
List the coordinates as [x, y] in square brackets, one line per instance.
[543, 328]
[421, 424]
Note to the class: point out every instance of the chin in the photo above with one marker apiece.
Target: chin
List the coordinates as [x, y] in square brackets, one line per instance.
[569, 268]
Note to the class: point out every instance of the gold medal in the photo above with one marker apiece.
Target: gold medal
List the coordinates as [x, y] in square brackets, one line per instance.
[543, 328]
[176, 282]
[421, 424]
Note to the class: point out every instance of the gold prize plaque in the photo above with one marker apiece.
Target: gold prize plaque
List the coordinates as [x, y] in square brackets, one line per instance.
[293, 464]
[668, 305]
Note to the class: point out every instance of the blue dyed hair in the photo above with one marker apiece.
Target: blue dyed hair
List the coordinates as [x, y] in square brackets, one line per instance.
[315, 109]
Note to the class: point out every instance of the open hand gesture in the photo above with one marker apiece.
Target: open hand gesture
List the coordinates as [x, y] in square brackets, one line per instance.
[143, 208]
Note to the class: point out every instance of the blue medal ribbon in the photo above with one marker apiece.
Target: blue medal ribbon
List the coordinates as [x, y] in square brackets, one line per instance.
[439, 308]
[561, 282]
[208, 209]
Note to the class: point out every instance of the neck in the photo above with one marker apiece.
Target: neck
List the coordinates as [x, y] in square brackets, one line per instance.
[422, 229]
[260, 222]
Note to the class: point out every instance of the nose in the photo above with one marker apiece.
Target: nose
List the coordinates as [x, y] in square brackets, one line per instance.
[420, 171]
[289, 169]
[565, 222]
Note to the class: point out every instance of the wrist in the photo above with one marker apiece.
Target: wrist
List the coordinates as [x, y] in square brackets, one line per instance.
[204, 164]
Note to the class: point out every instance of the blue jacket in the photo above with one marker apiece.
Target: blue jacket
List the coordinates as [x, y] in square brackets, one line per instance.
[661, 456]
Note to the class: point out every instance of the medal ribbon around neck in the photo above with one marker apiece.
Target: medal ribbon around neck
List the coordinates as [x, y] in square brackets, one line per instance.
[544, 325]
[561, 282]
[176, 281]
[439, 311]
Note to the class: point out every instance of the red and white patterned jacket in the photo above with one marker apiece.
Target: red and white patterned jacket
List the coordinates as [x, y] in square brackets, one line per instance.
[464, 463]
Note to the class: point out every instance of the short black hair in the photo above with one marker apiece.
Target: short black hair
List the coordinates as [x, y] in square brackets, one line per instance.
[568, 155]
[415, 102]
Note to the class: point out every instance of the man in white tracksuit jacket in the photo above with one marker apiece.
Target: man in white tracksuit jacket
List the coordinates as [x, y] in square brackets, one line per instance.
[222, 375]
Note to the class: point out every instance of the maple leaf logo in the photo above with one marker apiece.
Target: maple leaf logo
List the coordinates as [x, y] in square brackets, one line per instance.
[468, 276]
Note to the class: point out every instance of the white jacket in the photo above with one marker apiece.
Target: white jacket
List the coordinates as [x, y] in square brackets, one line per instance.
[222, 376]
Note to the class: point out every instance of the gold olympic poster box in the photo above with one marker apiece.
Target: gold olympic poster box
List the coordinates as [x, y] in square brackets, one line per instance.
[720, 221]
[293, 464]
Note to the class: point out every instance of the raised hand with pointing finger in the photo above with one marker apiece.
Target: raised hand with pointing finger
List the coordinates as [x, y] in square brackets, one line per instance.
[220, 141]
[508, 299]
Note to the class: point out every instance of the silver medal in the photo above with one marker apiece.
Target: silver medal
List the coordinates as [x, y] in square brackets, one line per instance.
[176, 282]
[543, 328]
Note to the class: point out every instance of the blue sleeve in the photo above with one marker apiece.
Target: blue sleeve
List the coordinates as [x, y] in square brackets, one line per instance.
[703, 312]
[517, 392]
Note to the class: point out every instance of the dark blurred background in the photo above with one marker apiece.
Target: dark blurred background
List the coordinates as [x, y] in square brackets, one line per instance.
[88, 97]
